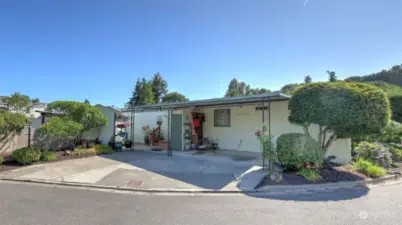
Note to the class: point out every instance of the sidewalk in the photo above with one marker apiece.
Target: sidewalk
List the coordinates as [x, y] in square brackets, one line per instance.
[148, 170]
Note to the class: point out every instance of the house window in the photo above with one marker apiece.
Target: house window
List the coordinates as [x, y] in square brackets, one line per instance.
[258, 108]
[222, 117]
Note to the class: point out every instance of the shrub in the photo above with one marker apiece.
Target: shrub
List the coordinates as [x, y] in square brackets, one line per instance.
[26, 156]
[341, 109]
[376, 154]
[1, 159]
[309, 174]
[368, 168]
[375, 171]
[48, 156]
[79, 151]
[396, 106]
[396, 153]
[295, 148]
[103, 149]
[61, 127]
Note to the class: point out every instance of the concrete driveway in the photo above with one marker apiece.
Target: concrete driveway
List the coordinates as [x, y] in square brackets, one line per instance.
[145, 169]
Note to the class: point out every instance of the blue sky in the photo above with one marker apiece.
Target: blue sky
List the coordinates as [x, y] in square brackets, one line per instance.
[77, 49]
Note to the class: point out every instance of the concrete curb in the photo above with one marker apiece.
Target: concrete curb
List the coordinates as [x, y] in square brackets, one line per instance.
[272, 190]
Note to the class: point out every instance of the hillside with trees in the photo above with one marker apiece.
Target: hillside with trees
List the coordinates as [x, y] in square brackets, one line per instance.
[240, 88]
[153, 91]
[391, 76]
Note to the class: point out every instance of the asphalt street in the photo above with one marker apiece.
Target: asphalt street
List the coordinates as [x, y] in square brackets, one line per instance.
[37, 204]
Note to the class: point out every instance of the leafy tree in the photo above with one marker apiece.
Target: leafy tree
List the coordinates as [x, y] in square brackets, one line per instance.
[11, 123]
[86, 115]
[20, 103]
[174, 97]
[87, 102]
[233, 88]
[307, 79]
[340, 109]
[159, 87]
[147, 95]
[332, 76]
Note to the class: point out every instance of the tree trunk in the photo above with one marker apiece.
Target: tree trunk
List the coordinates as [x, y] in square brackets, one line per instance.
[331, 139]
[306, 132]
[320, 135]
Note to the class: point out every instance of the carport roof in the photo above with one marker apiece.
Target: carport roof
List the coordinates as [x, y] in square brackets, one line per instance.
[266, 97]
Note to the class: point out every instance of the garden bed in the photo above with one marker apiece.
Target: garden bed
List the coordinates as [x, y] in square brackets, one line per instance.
[328, 175]
[60, 156]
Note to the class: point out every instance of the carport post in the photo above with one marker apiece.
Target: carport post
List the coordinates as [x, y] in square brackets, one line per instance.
[132, 115]
[169, 148]
[271, 163]
[262, 132]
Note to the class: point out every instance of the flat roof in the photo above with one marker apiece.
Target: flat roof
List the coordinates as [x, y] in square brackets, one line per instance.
[266, 97]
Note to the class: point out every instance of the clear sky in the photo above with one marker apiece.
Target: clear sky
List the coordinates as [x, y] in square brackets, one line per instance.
[96, 49]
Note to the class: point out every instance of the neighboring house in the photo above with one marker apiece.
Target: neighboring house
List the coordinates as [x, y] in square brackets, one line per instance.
[35, 111]
[232, 122]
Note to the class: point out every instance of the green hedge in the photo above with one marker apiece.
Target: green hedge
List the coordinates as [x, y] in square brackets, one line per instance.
[296, 148]
[26, 155]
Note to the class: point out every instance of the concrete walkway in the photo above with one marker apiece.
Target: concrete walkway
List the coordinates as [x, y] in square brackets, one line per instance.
[141, 169]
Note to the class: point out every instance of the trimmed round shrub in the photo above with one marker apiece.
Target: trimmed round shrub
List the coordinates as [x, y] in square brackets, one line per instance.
[48, 156]
[295, 148]
[348, 109]
[26, 156]
[378, 155]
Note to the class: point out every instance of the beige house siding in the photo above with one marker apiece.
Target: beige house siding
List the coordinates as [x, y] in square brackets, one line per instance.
[245, 120]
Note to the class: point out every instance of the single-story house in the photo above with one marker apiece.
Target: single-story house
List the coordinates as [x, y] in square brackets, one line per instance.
[233, 121]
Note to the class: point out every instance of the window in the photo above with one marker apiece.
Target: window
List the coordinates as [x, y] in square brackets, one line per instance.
[222, 118]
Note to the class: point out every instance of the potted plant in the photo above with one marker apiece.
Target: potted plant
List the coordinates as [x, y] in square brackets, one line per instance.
[111, 142]
[118, 145]
[147, 134]
[91, 144]
[128, 143]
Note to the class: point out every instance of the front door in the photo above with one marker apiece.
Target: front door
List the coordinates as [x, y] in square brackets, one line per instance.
[177, 132]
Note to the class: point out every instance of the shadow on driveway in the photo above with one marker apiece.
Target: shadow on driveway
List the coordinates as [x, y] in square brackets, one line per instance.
[162, 171]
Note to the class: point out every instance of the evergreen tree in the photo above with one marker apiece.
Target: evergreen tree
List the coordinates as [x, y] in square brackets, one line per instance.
[146, 96]
[332, 76]
[135, 97]
[87, 102]
[159, 87]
